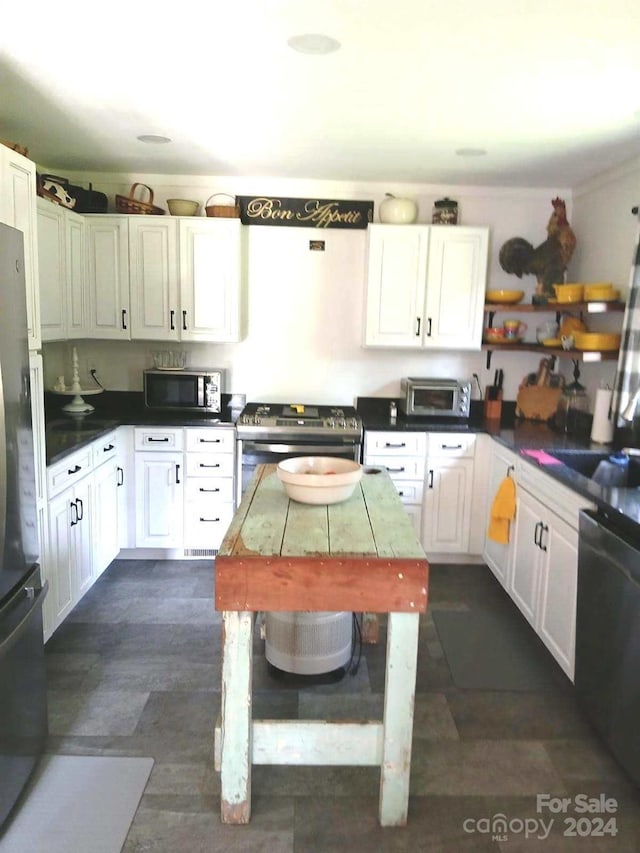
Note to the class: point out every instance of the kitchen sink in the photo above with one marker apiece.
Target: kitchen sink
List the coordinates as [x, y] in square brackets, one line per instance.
[585, 462]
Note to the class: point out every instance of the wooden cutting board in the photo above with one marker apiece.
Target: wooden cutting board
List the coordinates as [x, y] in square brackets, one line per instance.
[537, 402]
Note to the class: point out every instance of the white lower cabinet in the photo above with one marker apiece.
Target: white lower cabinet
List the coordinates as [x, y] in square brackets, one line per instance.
[402, 454]
[159, 499]
[448, 496]
[70, 557]
[105, 503]
[539, 566]
[184, 487]
[209, 491]
[498, 555]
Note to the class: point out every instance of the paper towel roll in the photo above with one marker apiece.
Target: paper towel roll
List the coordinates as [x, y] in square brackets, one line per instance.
[602, 426]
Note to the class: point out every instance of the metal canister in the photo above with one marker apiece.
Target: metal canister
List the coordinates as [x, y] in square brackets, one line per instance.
[445, 212]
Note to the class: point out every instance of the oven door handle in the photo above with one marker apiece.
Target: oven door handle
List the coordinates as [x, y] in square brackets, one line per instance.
[306, 449]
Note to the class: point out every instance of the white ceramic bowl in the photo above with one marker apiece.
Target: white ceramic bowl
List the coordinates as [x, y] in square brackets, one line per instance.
[319, 479]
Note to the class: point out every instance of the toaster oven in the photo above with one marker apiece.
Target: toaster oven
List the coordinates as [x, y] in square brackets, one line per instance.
[441, 398]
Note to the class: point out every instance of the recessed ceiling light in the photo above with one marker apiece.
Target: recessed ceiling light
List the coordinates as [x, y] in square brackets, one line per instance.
[471, 152]
[153, 139]
[316, 43]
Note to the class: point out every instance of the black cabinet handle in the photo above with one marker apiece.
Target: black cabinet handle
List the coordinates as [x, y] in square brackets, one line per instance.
[210, 440]
[177, 473]
[80, 506]
[417, 327]
[124, 318]
[74, 513]
[119, 476]
[395, 470]
[74, 470]
[543, 529]
[108, 448]
[431, 478]
[537, 538]
[450, 447]
[209, 519]
[172, 315]
[391, 444]
[203, 465]
[184, 321]
[429, 327]
[201, 489]
[151, 438]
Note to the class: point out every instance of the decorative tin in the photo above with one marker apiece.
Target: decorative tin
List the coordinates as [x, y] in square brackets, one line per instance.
[445, 212]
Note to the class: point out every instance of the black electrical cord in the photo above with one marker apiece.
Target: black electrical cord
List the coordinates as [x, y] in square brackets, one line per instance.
[95, 378]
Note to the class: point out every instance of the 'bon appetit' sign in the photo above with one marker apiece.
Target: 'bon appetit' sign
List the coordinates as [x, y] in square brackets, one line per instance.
[304, 212]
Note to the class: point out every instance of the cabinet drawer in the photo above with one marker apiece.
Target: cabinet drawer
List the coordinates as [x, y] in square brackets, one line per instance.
[155, 438]
[104, 448]
[205, 528]
[410, 491]
[208, 489]
[396, 443]
[451, 444]
[401, 468]
[210, 439]
[69, 470]
[209, 465]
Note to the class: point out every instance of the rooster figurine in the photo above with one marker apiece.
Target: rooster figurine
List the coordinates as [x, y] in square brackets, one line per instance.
[549, 260]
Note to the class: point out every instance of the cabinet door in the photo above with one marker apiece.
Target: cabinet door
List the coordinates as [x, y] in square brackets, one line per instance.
[60, 563]
[105, 516]
[525, 576]
[76, 278]
[211, 280]
[395, 289]
[83, 538]
[556, 622]
[153, 271]
[51, 263]
[456, 282]
[159, 500]
[108, 277]
[498, 555]
[126, 488]
[18, 209]
[446, 513]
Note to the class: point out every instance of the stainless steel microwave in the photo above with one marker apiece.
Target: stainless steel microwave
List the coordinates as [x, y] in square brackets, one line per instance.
[443, 398]
[190, 390]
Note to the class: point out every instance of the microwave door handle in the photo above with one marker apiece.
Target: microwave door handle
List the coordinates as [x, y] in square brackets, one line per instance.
[200, 391]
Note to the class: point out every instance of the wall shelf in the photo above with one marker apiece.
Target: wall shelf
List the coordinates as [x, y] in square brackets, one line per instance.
[584, 356]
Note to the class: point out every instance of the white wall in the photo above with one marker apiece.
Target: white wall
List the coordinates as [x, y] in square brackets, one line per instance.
[305, 314]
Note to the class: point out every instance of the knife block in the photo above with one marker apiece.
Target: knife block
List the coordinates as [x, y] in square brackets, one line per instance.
[493, 403]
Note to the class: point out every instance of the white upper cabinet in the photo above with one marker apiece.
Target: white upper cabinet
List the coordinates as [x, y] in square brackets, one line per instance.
[18, 209]
[211, 279]
[396, 281]
[456, 284]
[61, 261]
[425, 286]
[108, 277]
[153, 278]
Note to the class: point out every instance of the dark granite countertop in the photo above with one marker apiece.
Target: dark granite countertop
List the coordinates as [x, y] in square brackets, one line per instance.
[66, 433]
[621, 504]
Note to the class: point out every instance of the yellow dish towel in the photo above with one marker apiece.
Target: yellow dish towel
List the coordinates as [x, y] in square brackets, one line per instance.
[503, 510]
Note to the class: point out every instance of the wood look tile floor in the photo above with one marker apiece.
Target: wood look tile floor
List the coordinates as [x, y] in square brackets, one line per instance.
[135, 670]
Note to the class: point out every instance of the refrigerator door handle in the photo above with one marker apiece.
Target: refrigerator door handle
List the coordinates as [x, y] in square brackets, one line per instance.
[37, 597]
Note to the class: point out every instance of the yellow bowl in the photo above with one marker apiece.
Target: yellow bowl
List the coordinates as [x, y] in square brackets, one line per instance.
[596, 341]
[600, 293]
[552, 342]
[569, 292]
[508, 297]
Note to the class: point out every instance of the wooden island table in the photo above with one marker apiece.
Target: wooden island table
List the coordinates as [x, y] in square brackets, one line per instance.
[361, 555]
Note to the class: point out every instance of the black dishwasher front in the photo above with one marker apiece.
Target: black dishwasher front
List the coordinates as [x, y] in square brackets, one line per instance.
[607, 667]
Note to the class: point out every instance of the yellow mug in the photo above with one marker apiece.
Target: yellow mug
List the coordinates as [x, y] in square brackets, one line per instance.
[514, 328]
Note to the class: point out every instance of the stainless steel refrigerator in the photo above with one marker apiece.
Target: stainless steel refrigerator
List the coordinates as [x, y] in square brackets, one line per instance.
[23, 706]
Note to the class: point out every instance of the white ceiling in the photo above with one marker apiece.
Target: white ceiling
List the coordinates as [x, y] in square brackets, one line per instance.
[550, 88]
